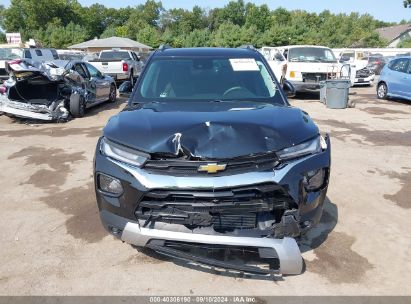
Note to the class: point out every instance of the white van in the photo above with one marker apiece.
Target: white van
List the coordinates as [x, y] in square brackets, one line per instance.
[30, 54]
[358, 61]
[307, 65]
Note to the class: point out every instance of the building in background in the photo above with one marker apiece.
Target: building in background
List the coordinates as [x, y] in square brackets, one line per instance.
[395, 34]
[97, 45]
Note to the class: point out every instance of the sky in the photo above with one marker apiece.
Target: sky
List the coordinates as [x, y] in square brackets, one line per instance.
[386, 10]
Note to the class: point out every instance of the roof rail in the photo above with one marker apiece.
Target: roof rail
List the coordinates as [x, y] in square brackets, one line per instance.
[164, 47]
[247, 46]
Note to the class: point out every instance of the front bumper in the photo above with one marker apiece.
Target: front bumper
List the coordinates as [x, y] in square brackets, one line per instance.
[119, 76]
[25, 110]
[118, 213]
[364, 81]
[302, 86]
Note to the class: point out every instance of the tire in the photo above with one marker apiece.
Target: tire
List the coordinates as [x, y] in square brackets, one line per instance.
[382, 90]
[77, 105]
[113, 93]
[351, 104]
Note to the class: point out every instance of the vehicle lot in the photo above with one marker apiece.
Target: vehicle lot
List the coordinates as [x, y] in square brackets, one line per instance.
[53, 242]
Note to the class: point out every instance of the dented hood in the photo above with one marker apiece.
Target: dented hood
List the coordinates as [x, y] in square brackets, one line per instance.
[210, 130]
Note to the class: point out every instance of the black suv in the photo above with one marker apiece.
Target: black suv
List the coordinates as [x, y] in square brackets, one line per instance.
[208, 152]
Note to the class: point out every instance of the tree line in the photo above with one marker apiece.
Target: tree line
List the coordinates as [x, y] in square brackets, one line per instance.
[60, 23]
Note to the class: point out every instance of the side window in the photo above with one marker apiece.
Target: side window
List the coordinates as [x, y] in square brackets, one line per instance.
[278, 56]
[348, 55]
[92, 70]
[27, 54]
[39, 53]
[79, 69]
[135, 57]
[54, 53]
[86, 71]
[399, 65]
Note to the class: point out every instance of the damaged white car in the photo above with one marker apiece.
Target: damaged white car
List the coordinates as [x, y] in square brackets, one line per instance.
[54, 90]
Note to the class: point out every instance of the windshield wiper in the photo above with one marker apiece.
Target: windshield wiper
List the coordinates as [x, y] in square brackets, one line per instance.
[328, 60]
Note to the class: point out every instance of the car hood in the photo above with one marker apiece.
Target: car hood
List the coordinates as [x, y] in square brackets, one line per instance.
[210, 130]
[313, 67]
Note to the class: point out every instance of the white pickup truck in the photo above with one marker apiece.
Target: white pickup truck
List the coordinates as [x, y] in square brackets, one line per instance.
[119, 64]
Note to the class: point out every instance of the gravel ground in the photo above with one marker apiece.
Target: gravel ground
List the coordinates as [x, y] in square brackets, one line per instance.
[53, 242]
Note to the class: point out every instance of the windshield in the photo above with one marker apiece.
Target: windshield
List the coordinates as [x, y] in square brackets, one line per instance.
[311, 54]
[8, 54]
[114, 55]
[207, 79]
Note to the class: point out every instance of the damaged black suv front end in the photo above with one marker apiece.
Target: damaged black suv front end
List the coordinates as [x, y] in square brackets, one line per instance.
[239, 169]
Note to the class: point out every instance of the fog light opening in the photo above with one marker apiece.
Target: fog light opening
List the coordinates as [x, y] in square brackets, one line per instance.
[109, 184]
[314, 179]
[115, 230]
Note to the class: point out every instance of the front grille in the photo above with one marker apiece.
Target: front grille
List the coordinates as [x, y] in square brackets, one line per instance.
[363, 73]
[224, 210]
[234, 221]
[317, 77]
[178, 167]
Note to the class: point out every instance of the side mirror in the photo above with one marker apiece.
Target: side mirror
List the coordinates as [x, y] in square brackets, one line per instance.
[344, 59]
[125, 89]
[289, 89]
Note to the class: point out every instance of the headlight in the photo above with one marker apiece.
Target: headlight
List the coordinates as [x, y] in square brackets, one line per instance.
[123, 154]
[306, 148]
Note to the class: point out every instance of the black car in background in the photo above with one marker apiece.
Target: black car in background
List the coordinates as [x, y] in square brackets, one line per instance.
[209, 154]
[376, 63]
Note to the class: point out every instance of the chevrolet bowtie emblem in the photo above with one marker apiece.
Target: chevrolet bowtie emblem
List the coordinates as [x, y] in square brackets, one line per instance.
[211, 168]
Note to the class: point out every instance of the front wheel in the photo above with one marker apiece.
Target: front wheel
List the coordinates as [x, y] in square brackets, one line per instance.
[77, 105]
[382, 91]
[113, 93]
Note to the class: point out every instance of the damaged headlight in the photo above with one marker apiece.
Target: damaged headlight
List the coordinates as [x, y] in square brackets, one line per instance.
[306, 148]
[122, 153]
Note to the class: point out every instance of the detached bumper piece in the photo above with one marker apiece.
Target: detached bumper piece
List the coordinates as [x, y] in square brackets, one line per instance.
[285, 250]
[183, 251]
[25, 110]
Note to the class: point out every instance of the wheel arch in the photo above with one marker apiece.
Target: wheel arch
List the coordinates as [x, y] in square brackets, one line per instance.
[380, 82]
